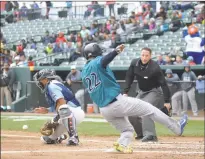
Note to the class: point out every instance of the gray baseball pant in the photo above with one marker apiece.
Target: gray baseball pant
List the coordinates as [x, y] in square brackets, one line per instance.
[117, 112]
[146, 126]
[189, 96]
[177, 103]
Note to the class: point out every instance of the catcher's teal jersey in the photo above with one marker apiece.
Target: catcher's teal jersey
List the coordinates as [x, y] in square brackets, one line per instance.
[100, 82]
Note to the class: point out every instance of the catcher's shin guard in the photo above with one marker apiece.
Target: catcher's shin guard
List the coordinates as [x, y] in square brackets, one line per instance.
[68, 120]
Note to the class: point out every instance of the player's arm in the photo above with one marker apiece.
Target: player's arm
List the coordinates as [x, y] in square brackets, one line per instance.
[109, 57]
[129, 77]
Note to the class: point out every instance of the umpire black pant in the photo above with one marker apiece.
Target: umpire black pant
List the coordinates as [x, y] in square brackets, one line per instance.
[146, 126]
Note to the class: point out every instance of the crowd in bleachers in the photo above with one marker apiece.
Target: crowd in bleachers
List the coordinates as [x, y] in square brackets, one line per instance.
[112, 30]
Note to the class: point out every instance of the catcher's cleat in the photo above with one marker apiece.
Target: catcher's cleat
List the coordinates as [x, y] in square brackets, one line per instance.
[48, 140]
[73, 141]
[122, 149]
[61, 138]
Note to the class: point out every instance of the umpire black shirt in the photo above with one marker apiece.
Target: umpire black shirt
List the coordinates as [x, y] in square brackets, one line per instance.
[149, 76]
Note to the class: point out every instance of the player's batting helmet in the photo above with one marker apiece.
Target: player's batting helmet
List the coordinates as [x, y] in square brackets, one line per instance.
[92, 50]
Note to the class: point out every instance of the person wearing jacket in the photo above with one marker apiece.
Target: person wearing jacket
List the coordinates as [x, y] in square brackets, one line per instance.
[175, 90]
[7, 78]
[188, 87]
[152, 89]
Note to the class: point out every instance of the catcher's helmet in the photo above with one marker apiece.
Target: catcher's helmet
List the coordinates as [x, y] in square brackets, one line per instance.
[92, 50]
[42, 74]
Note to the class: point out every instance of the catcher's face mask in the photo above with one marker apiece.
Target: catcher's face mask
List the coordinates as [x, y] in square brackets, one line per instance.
[39, 78]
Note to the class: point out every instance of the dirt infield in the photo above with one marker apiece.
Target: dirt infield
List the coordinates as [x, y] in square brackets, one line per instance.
[25, 145]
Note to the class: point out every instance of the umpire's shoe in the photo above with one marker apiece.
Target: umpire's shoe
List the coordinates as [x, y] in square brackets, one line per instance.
[149, 138]
[48, 140]
[73, 141]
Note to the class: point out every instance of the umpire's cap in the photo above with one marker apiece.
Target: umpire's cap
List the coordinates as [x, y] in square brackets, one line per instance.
[92, 50]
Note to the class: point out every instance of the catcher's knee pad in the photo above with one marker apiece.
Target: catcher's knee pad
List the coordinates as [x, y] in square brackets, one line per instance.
[67, 119]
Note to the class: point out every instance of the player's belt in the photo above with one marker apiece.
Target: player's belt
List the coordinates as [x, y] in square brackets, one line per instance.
[114, 100]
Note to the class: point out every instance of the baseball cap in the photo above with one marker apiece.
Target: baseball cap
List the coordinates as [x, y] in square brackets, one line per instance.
[73, 67]
[190, 58]
[168, 71]
[17, 58]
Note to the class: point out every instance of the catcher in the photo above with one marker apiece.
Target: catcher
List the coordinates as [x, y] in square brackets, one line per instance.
[69, 112]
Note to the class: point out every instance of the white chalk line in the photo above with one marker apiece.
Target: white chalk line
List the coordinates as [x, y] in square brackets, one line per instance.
[96, 150]
[156, 143]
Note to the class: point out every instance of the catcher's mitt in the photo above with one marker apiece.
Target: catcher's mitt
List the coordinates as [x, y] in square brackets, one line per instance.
[48, 128]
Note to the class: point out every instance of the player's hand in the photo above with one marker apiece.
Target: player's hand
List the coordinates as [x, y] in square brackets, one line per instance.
[120, 48]
[167, 105]
[41, 110]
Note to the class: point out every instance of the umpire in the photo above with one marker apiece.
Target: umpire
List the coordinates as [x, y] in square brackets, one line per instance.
[152, 89]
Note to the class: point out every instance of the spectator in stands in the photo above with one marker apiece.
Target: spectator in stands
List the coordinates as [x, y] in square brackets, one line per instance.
[115, 39]
[111, 5]
[34, 6]
[9, 6]
[19, 50]
[72, 38]
[175, 90]
[8, 57]
[84, 31]
[16, 61]
[190, 60]
[201, 16]
[96, 37]
[22, 61]
[152, 24]
[48, 7]
[189, 79]
[179, 61]
[57, 48]
[160, 60]
[75, 55]
[89, 10]
[49, 49]
[69, 8]
[69, 48]
[175, 22]
[161, 14]
[33, 44]
[23, 11]
[79, 38]
[7, 78]
[47, 38]
[93, 29]
[168, 60]
[108, 25]
[61, 38]
[114, 24]
[30, 61]
[145, 25]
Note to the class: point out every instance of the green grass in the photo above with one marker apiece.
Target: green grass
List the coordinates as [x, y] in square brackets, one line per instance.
[194, 128]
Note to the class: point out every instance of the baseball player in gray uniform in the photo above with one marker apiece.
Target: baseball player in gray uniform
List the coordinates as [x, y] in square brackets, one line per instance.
[103, 89]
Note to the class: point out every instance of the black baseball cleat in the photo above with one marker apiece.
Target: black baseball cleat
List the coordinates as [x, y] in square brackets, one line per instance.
[61, 138]
[149, 138]
[73, 141]
[138, 137]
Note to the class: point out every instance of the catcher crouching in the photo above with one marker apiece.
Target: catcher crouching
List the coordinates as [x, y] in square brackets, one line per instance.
[69, 112]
